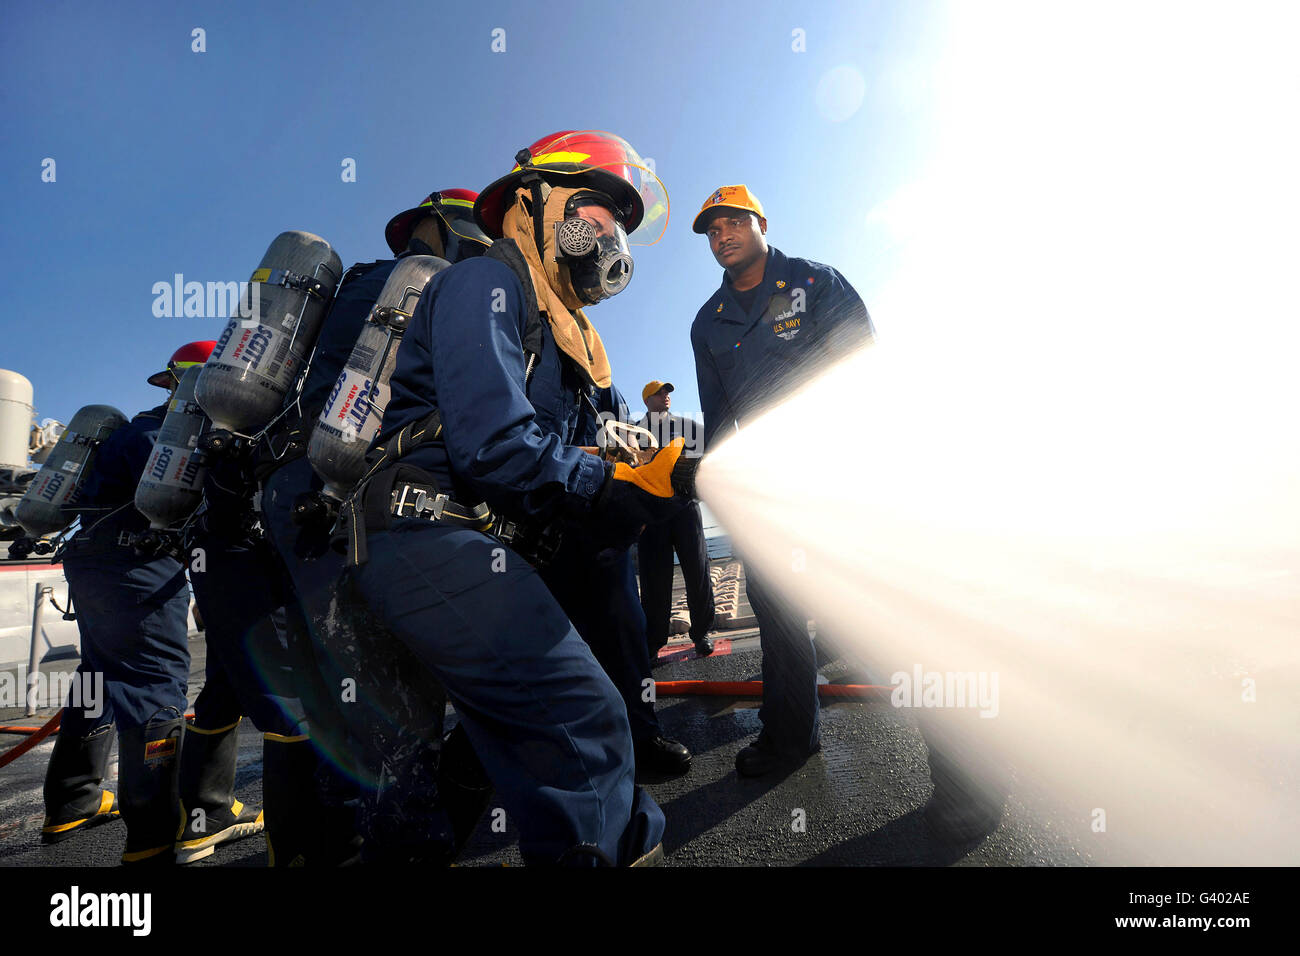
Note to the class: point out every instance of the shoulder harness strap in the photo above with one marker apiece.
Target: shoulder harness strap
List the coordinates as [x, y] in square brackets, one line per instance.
[354, 513]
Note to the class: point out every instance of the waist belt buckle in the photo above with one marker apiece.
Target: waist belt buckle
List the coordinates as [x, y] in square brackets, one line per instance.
[422, 504]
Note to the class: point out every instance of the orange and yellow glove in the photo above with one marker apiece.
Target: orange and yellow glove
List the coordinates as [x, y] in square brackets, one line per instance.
[653, 492]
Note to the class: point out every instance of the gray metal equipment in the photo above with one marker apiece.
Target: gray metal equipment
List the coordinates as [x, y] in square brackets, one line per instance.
[258, 359]
[355, 410]
[172, 484]
[55, 487]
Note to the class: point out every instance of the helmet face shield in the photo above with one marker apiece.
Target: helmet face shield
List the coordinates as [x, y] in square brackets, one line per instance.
[591, 159]
[464, 238]
[591, 241]
[454, 208]
[185, 357]
[628, 166]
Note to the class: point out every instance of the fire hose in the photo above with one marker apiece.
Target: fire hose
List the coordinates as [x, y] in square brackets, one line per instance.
[36, 735]
[663, 688]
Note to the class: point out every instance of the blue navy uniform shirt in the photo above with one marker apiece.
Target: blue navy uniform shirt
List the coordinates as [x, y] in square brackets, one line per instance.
[805, 317]
[512, 447]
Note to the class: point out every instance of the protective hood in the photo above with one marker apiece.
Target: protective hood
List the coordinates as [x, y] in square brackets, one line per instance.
[574, 334]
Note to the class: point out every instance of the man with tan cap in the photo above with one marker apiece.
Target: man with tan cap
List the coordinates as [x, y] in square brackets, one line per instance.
[773, 323]
[683, 532]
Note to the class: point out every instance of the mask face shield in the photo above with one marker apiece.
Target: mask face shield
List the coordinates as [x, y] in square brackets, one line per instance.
[591, 242]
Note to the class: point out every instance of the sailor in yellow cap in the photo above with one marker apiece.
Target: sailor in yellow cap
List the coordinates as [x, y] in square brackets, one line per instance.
[772, 322]
[683, 533]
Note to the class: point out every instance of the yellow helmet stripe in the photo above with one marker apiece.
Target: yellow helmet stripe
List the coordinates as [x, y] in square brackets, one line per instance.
[560, 156]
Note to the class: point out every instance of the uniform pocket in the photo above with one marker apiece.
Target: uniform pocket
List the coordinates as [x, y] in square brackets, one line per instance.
[725, 358]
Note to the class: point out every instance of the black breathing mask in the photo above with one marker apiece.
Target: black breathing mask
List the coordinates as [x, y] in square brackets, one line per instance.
[597, 257]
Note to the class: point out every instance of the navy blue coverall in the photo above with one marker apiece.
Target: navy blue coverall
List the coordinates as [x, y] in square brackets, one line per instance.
[132, 611]
[804, 317]
[596, 588]
[375, 712]
[547, 723]
[237, 586]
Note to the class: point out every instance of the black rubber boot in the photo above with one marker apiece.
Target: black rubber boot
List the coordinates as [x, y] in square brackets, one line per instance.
[74, 799]
[210, 814]
[463, 786]
[429, 799]
[404, 821]
[149, 763]
[301, 828]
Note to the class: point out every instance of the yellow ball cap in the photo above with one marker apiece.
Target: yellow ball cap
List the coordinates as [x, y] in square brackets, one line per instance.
[652, 387]
[730, 197]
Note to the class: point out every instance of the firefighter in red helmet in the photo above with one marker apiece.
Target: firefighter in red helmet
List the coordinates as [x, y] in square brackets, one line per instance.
[132, 612]
[185, 357]
[497, 447]
[398, 826]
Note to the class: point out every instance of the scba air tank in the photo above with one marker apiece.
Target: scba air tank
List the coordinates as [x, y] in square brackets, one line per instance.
[258, 358]
[57, 484]
[355, 410]
[172, 484]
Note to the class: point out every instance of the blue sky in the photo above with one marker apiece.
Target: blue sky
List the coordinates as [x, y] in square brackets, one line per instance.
[173, 161]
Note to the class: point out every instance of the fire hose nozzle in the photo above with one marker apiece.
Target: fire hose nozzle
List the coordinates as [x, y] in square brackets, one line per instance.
[632, 444]
[682, 478]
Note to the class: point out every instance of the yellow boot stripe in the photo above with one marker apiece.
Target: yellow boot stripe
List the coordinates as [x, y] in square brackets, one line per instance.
[62, 827]
[145, 854]
[219, 730]
[105, 807]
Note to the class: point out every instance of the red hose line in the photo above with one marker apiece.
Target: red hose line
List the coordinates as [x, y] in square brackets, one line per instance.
[666, 688]
[13, 753]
